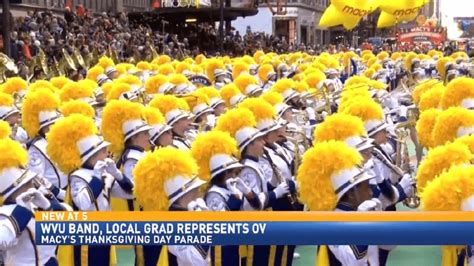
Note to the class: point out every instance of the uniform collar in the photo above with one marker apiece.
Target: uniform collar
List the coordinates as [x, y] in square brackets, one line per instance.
[343, 206]
[133, 147]
[249, 157]
[177, 208]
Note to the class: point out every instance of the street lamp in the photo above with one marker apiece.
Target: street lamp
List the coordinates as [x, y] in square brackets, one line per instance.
[6, 27]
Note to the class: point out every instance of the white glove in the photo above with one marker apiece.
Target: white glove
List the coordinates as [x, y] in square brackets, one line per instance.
[99, 168]
[370, 205]
[403, 111]
[379, 179]
[111, 168]
[40, 200]
[201, 205]
[281, 190]
[311, 113]
[192, 206]
[242, 186]
[25, 198]
[211, 120]
[406, 183]
[324, 114]
[197, 205]
[231, 185]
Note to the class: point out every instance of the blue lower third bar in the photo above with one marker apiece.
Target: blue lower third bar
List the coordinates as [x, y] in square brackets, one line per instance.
[255, 233]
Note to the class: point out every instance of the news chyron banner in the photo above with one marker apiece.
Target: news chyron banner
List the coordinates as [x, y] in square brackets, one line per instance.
[254, 228]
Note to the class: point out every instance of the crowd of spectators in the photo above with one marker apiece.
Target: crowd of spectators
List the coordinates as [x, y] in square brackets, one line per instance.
[95, 34]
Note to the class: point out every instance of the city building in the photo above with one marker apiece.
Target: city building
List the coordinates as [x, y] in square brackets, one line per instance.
[296, 21]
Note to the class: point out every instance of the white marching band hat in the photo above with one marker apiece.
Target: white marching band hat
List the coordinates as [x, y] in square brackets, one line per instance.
[157, 130]
[179, 185]
[223, 162]
[374, 126]
[47, 118]
[246, 135]
[175, 115]
[6, 111]
[344, 180]
[133, 127]
[89, 146]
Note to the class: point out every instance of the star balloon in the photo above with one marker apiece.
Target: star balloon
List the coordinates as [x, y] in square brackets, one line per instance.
[347, 12]
[395, 11]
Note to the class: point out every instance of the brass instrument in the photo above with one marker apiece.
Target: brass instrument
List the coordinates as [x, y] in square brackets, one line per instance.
[43, 62]
[79, 59]
[327, 99]
[68, 60]
[3, 77]
[402, 156]
[59, 68]
[17, 100]
[297, 138]
[113, 55]
[143, 97]
[7, 63]
[301, 117]
[154, 53]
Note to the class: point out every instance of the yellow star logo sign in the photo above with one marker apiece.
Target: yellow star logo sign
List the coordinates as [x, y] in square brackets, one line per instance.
[397, 11]
[347, 12]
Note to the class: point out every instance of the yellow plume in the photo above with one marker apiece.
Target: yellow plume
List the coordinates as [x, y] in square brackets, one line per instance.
[154, 170]
[63, 138]
[315, 184]
[209, 144]
[115, 114]
[33, 104]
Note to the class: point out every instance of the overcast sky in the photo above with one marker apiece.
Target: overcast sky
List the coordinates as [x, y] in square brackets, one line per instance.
[457, 8]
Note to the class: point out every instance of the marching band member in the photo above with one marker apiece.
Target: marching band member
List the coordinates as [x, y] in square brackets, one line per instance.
[221, 78]
[453, 190]
[391, 184]
[231, 94]
[128, 135]
[160, 132]
[39, 112]
[337, 185]
[459, 92]
[240, 122]
[214, 152]
[278, 167]
[22, 194]
[173, 171]
[10, 113]
[275, 156]
[453, 123]
[248, 85]
[203, 114]
[215, 100]
[73, 144]
[267, 76]
[176, 117]
[333, 75]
